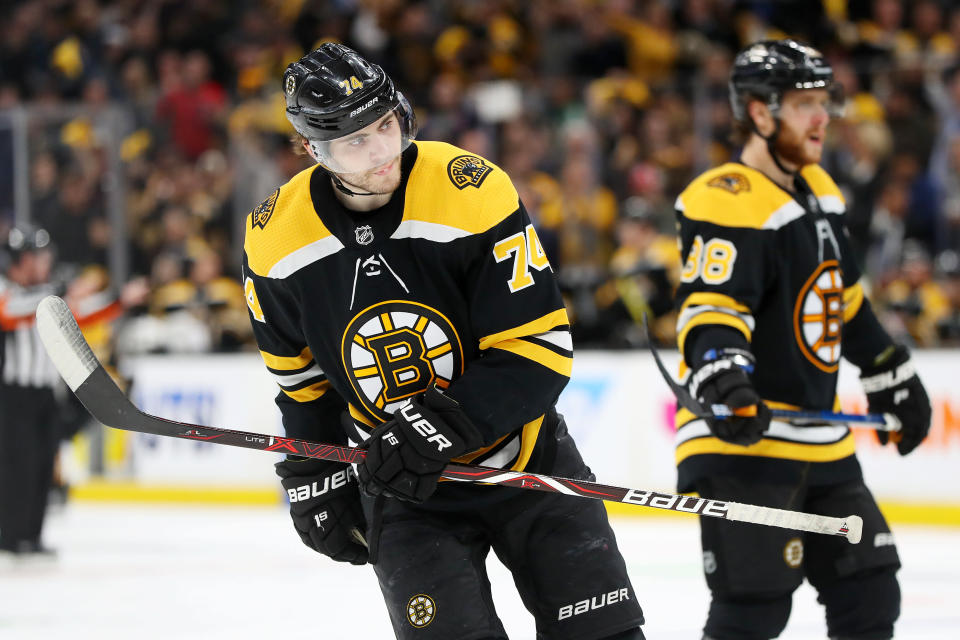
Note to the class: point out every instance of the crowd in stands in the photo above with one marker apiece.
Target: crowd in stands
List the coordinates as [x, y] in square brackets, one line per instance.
[600, 110]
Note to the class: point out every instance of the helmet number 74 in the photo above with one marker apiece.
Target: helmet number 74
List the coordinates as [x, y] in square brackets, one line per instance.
[350, 85]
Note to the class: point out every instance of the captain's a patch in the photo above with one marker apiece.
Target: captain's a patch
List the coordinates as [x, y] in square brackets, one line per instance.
[732, 182]
[261, 215]
[468, 171]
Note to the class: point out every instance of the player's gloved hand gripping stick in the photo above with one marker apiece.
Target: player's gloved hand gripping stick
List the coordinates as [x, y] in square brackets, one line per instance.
[883, 422]
[87, 378]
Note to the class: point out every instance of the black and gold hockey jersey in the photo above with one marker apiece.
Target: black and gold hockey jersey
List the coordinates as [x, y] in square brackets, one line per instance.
[446, 284]
[775, 268]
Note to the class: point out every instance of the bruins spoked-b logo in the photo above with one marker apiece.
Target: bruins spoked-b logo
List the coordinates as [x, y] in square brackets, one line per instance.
[818, 317]
[394, 350]
[421, 610]
[468, 171]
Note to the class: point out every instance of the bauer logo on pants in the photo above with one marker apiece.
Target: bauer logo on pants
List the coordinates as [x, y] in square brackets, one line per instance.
[421, 610]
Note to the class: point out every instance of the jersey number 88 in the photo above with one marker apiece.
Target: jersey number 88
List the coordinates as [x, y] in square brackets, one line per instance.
[711, 262]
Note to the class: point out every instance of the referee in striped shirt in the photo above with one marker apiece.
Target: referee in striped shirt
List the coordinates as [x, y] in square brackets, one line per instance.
[28, 409]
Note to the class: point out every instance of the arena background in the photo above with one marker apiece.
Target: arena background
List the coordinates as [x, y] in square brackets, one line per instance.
[140, 134]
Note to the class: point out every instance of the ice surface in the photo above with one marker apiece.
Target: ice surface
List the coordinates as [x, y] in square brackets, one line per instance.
[132, 571]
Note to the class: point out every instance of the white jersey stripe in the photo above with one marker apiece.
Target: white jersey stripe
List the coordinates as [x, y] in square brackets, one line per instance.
[303, 256]
[428, 231]
[824, 434]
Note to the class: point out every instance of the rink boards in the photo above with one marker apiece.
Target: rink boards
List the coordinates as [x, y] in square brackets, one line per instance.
[617, 406]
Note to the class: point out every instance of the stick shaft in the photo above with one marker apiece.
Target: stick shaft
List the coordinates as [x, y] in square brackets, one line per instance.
[108, 404]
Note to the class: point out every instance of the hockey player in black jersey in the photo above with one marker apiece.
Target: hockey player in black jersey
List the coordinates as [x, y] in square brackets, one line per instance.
[769, 301]
[402, 301]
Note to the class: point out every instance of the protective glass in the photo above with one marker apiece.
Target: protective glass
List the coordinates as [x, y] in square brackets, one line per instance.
[371, 147]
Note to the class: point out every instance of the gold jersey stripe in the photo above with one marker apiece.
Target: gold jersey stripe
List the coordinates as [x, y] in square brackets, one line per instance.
[683, 416]
[473, 455]
[713, 317]
[541, 355]
[769, 449]
[714, 300]
[543, 324]
[288, 363]
[359, 417]
[528, 439]
[308, 394]
[852, 300]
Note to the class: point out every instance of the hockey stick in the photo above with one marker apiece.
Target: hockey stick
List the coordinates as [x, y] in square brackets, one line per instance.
[87, 378]
[880, 422]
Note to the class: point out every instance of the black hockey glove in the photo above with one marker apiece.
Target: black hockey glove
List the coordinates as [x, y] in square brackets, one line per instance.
[723, 379]
[406, 454]
[325, 507]
[892, 386]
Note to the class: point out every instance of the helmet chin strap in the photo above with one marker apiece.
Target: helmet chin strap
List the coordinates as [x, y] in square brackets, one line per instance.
[338, 183]
[771, 144]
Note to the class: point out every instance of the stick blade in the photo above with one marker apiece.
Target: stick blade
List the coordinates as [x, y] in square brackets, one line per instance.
[64, 342]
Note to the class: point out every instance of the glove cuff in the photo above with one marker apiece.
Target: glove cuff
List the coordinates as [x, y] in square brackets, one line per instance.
[452, 414]
[720, 361]
[893, 370]
[296, 467]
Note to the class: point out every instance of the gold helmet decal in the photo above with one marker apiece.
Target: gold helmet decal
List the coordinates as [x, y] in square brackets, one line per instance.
[421, 610]
[818, 317]
[394, 350]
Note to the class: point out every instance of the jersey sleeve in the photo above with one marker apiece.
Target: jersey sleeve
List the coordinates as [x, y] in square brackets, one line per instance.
[516, 310]
[727, 271]
[309, 405]
[863, 336]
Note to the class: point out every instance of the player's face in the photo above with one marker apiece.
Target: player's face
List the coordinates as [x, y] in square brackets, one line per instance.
[804, 116]
[370, 157]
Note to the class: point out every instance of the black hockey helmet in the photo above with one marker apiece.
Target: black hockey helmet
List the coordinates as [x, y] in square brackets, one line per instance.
[333, 92]
[768, 69]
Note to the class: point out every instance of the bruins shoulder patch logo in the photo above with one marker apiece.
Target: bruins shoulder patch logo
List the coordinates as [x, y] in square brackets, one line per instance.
[468, 171]
[261, 215]
[732, 182]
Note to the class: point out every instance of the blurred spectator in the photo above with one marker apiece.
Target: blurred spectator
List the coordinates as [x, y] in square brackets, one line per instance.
[173, 107]
[193, 105]
[644, 271]
[914, 300]
[948, 274]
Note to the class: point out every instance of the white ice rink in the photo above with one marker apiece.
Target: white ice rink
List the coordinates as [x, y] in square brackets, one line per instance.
[219, 572]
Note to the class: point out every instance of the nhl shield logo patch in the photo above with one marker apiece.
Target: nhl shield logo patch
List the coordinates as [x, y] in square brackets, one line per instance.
[364, 234]
[468, 171]
[421, 610]
[732, 182]
[261, 215]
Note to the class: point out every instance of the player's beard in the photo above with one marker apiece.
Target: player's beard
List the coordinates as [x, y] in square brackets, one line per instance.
[798, 149]
[372, 182]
